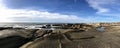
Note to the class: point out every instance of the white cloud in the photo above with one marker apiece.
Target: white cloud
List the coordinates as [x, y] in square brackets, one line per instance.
[3, 13]
[33, 15]
[29, 15]
[105, 6]
[96, 4]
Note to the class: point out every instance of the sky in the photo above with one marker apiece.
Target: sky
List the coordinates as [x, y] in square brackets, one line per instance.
[59, 11]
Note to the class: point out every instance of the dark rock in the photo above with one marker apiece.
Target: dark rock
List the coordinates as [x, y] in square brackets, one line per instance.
[13, 42]
[3, 28]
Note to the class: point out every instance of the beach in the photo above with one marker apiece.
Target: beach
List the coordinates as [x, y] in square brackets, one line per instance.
[72, 36]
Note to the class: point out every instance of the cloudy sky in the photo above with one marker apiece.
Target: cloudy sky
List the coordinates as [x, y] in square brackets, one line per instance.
[59, 11]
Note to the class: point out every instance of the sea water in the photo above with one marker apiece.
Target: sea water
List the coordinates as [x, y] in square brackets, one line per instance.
[101, 29]
[22, 25]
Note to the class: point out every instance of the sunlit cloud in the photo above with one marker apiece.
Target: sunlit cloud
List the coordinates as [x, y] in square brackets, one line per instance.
[105, 7]
[4, 13]
[29, 15]
[33, 15]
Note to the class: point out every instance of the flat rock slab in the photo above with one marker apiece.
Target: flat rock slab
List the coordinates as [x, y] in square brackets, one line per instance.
[110, 38]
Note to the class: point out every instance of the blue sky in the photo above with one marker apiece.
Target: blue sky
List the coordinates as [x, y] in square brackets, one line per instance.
[59, 11]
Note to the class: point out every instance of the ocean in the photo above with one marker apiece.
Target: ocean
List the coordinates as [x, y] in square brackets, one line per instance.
[22, 25]
[26, 25]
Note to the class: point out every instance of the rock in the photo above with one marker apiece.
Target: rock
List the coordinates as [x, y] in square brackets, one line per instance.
[3, 28]
[13, 42]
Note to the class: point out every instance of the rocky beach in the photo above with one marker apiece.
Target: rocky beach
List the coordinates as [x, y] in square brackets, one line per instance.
[62, 36]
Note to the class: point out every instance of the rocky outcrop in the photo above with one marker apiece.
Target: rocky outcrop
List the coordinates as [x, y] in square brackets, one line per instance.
[77, 26]
[3, 28]
[13, 42]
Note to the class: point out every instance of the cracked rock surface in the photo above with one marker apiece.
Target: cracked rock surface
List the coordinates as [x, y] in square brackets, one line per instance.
[62, 38]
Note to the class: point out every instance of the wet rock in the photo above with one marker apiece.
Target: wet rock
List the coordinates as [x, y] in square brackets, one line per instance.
[3, 28]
